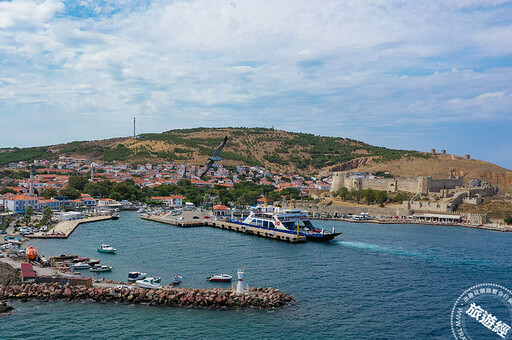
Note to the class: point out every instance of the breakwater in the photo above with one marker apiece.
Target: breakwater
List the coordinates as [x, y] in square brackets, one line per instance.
[258, 298]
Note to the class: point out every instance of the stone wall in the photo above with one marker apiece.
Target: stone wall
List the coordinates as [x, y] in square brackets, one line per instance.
[418, 185]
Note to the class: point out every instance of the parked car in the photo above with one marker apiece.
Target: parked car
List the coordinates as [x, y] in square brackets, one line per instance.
[206, 216]
[3, 232]
[195, 217]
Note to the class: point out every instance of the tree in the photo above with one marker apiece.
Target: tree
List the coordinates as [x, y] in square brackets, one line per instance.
[28, 214]
[71, 193]
[342, 193]
[77, 182]
[356, 195]
[49, 193]
[508, 220]
[381, 196]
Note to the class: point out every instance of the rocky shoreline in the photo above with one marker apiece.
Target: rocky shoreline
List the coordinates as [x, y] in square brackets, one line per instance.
[9, 275]
[257, 298]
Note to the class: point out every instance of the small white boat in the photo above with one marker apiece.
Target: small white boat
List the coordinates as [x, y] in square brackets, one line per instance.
[134, 276]
[148, 283]
[99, 268]
[81, 265]
[220, 278]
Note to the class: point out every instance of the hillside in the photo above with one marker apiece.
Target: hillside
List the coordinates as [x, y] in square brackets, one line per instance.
[438, 166]
[276, 150]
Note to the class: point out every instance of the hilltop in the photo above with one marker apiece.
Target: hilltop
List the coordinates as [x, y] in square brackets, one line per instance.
[277, 150]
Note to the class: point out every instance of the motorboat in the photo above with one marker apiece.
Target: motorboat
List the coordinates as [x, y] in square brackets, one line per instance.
[80, 265]
[99, 268]
[148, 283]
[177, 280]
[105, 248]
[220, 278]
[115, 216]
[134, 276]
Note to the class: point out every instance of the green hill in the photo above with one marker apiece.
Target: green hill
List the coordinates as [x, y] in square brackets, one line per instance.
[275, 149]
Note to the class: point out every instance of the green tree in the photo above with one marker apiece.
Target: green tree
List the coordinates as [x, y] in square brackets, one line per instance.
[356, 195]
[381, 196]
[369, 195]
[28, 214]
[342, 193]
[71, 193]
[49, 193]
[77, 182]
[508, 220]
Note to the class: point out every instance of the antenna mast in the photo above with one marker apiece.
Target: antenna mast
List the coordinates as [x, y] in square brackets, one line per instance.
[133, 127]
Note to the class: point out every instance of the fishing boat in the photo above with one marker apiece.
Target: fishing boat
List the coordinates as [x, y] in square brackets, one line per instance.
[99, 268]
[134, 276]
[177, 280]
[105, 248]
[292, 221]
[148, 283]
[220, 278]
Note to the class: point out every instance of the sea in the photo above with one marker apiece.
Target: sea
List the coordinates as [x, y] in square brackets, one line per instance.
[375, 281]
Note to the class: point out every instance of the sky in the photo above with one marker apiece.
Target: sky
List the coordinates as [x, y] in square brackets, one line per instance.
[400, 74]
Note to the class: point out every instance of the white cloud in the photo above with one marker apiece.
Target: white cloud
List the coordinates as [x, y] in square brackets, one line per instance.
[308, 65]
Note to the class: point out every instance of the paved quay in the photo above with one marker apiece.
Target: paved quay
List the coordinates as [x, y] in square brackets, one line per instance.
[202, 222]
[65, 228]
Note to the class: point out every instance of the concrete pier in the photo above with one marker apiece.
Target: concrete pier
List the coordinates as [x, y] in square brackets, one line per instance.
[273, 234]
[65, 228]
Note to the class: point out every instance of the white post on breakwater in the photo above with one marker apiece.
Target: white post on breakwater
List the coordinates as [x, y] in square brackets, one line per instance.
[240, 284]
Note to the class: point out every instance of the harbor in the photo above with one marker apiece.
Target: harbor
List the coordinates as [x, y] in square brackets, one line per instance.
[325, 279]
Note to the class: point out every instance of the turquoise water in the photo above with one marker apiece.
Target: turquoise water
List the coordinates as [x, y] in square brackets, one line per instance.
[375, 281]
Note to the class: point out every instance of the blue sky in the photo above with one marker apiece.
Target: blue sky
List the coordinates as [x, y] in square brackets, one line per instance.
[401, 74]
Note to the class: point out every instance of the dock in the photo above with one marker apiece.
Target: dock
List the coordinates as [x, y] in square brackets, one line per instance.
[65, 228]
[273, 234]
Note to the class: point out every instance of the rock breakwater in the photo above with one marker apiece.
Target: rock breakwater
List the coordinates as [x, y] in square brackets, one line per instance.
[259, 298]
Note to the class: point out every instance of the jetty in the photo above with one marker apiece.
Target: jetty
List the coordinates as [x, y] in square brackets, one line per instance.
[273, 234]
[257, 298]
[64, 228]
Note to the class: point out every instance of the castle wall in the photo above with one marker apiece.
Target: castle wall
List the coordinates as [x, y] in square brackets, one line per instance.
[421, 184]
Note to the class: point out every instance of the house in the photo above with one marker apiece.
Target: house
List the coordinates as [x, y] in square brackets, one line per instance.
[108, 203]
[220, 210]
[20, 202]
[169, 201]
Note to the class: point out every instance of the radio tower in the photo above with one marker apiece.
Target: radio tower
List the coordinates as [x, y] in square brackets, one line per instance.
[134, 127]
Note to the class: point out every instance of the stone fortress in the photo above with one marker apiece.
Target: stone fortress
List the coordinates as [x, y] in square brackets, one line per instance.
[420, 185]
[443, 195]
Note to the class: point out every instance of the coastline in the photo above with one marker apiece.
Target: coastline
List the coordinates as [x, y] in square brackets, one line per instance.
[492, 227]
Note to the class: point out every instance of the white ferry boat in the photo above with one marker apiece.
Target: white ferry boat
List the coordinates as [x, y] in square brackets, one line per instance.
[291, 221]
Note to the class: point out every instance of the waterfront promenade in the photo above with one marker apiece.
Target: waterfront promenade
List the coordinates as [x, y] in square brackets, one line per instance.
[65, 228]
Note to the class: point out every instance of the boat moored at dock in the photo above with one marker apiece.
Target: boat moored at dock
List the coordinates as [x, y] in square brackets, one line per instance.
[148, 283]
[99, 268]
[291, 221]
[134, 276]
[220, 278]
